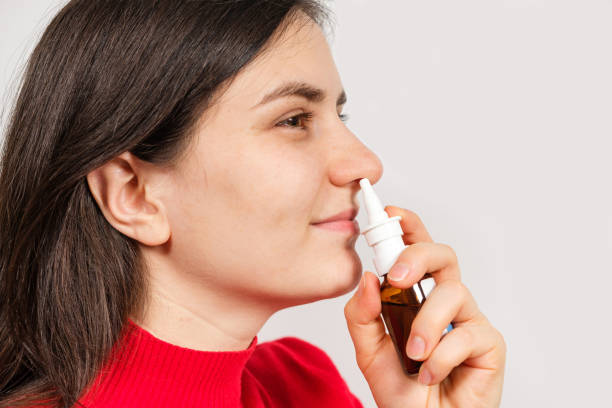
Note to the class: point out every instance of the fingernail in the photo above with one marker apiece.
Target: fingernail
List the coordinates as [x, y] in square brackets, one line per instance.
[416, 347]
[424, 376]
[398, 272]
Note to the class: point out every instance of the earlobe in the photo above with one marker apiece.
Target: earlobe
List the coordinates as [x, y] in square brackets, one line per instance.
[121, 191]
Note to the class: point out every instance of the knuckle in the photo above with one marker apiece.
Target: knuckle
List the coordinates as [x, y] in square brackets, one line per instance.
[464, 291]
[499, 349]
[416, 218]
[451, 252]
[502, 342]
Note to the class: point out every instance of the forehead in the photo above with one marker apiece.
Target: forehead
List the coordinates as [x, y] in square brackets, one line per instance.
[301, 53]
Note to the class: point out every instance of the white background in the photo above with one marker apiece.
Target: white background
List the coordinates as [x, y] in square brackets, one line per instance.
[493, 120]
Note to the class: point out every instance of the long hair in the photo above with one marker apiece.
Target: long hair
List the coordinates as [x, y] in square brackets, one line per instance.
[105, 77]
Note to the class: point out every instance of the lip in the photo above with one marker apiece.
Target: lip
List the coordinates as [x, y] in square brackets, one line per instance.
[346, 215]
[351, 226]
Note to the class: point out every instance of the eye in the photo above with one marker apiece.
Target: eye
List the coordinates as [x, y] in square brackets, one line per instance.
[303, 118]
[296, 119]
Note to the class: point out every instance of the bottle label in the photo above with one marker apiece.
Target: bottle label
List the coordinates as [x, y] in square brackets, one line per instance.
[423, 288]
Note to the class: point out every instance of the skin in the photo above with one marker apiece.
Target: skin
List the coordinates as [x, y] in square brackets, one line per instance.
[227, 234]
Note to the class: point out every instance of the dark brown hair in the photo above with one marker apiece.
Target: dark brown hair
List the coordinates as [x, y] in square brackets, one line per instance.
[106, 77]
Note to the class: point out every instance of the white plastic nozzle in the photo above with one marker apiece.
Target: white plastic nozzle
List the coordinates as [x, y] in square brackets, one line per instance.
[382, 233]
[374, 208]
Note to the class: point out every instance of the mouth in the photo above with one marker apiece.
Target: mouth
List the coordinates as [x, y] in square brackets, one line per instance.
[345, 226]
[346, 215]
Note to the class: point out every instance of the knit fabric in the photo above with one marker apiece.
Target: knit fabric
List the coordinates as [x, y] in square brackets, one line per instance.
[144, 371]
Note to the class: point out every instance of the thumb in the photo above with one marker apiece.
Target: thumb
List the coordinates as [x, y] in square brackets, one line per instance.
[362, 313]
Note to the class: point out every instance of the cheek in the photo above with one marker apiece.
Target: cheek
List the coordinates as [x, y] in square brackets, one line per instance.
[273, 191]
[286, 181]
[255, 200]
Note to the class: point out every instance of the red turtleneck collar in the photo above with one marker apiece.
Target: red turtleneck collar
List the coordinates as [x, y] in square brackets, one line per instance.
[144, 371]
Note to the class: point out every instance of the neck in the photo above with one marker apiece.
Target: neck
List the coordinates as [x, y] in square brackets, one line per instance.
[188, 311]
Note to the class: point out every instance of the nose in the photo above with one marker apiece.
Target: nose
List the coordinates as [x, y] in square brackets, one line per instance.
[353, 160]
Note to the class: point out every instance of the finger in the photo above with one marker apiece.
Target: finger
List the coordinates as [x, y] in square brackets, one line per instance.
[461, 344]
[362, 313]
[413, 227]
[416, 260]
[450, 301]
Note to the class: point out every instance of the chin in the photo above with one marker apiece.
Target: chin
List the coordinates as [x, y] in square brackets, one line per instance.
[326, 281]
[346, 278]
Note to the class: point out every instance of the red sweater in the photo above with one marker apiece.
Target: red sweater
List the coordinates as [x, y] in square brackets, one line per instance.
[148, 372]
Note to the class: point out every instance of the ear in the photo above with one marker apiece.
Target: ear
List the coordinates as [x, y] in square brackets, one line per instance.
[123, 189]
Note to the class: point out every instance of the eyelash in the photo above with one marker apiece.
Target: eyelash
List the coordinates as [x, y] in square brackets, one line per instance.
[307, 117]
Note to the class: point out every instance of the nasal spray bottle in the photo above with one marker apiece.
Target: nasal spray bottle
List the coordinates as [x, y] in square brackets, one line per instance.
[399, 306]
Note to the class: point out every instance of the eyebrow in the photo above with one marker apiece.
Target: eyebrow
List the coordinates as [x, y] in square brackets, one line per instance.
[301, 89]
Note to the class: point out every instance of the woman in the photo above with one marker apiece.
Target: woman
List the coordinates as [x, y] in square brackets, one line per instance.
[162, 173]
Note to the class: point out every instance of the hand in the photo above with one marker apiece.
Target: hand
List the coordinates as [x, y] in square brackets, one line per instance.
[466, 366]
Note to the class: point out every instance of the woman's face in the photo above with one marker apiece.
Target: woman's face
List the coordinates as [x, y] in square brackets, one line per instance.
[242, 204]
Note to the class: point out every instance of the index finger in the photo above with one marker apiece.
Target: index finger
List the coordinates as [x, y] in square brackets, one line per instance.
[413, 227]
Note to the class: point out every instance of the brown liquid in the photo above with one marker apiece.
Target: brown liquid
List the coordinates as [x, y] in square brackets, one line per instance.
[399, 308]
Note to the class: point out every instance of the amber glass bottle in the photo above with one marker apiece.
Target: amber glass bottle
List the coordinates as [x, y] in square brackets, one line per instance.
[399, 308]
